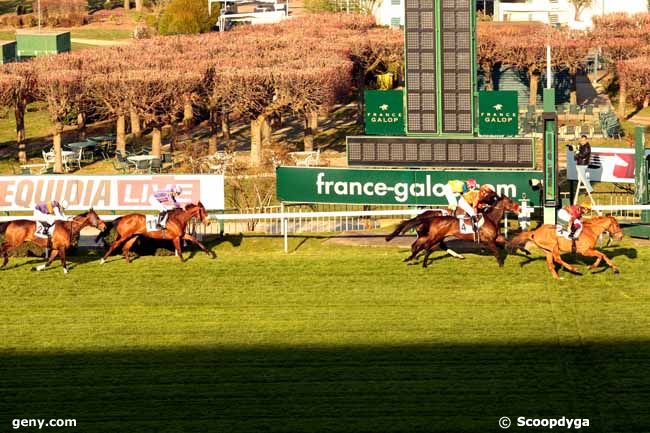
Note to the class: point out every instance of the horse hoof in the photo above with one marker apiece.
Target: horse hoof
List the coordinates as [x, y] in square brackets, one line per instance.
[65, 270]
[617, 271]
[102, 261]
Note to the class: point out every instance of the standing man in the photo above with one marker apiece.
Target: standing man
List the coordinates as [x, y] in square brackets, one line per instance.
[582, 157]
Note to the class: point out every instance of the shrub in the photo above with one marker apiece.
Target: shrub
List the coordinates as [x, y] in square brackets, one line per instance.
[185, 17]
[62, 7]
[317, 6]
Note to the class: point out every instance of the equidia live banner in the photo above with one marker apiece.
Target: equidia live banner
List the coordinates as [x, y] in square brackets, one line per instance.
[608, 164]
[19, 193]
[392, 187]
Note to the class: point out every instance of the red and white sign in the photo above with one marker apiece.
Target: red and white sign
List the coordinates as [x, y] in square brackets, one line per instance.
[608, 164]
[19, 193]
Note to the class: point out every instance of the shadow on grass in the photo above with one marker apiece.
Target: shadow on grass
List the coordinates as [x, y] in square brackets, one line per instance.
[421, 388]
[612, 253]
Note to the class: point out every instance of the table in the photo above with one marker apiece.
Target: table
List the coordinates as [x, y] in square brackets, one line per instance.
[140, 160]
[101, 139]
[106, 141]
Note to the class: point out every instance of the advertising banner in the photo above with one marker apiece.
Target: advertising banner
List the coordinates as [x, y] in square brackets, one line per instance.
[392, 187]
[608, 164]
[498, 112]
[19, 193]
[384, 112]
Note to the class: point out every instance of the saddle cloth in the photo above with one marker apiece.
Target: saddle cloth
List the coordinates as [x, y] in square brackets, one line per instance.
[566, 234]
[152, 222]
[41, 232]
[466, 227]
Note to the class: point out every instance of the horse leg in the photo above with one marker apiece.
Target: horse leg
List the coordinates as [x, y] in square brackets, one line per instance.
[445, 248]
[177, 246]
[196, 242]
[430, 246]
[492, 246]
[600, 256]
[63, 263]
[558, 259]
[596, 264]
[416, 247]
[551, 265]
[53, 255]
[116, 244]
[126, 249]
[5, 254]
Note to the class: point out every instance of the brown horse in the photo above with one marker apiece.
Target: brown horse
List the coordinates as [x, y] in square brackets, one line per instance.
[434, 229]
[547, 239]
[20, 231]
[129, 227]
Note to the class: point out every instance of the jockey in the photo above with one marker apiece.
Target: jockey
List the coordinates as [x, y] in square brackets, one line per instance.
[457, 193]
[162, 199]
[571, 215]
[48, 212]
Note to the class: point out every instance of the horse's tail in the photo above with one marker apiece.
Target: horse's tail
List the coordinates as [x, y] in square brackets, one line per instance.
[404, 226]
[3, 227]
[109, 226]
[520, 240]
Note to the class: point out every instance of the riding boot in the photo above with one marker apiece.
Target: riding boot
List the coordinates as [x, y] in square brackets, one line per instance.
[161, 217]
[475, 227]
[573, 240]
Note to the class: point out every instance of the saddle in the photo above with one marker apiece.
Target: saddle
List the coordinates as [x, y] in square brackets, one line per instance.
[44, 230]
[562, 232]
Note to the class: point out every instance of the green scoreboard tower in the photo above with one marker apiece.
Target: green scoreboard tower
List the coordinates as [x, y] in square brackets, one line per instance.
[440, 67]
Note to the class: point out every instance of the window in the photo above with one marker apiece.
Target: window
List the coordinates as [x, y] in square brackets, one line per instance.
[396, 21]
[395, 2]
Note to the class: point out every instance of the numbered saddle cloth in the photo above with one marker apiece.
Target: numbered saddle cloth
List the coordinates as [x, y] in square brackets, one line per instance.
[44, 231]
[152, 223]
[466, 226]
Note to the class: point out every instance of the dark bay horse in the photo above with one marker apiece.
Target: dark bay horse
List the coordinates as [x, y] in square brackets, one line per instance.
[547, 239]
[433, 228]
[129, 227]
[20, 231]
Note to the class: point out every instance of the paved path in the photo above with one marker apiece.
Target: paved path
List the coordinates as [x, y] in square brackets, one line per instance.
[590, 94]
[100, 42]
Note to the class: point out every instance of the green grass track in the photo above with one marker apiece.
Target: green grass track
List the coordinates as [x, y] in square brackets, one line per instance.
[324, 339]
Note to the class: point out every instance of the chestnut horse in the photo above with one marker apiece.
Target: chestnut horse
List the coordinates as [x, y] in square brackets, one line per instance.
[129, 227]
[20, 231]
[547, 239]
[433, 229]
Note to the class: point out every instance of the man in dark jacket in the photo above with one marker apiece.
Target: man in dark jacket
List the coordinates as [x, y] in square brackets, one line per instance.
[582, 156]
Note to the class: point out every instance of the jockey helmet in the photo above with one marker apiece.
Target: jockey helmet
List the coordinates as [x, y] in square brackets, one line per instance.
[471, 183]
[586, 205]
[178, 190]
[64, 204]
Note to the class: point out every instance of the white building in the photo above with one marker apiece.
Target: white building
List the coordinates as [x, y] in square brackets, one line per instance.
[562, 12]
[389, 12]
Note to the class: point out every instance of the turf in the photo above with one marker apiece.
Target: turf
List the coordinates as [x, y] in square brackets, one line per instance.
[324, 339]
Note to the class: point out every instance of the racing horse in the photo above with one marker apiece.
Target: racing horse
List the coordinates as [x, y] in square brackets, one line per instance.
[19, 231]
[547, 239]
[432, 235]
[130, 227]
